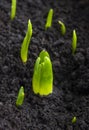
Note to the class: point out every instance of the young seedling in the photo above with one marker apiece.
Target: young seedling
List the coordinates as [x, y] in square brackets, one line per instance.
[63, 28]
[42, 82]
[13, 9]
[20, 97]
[74, 119]
[49, 19]
[74, 42]
[26, 42]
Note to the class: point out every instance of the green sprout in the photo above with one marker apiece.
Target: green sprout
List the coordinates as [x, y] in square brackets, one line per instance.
[13, 9]
[20, 97]
[42, 82]
[74, 42]
[49, 19]
[26, 42]
[63, 28]
[74, 119]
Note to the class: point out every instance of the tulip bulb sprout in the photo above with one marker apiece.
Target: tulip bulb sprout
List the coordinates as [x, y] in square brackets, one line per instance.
[63, 28]
[42, 82]
[26, 42]
[74, 42]
[74, 119]
[49, 19]
[20, 97]
[13, 9]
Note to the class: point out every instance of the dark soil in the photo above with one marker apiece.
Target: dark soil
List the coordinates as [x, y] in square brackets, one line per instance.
[70, 96]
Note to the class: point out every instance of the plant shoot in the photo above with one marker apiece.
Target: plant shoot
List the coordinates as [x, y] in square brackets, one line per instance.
[13, 9]
[74, 119]
[49, 19]
[42, 82]
[20, 97]
[74, 42]
[63, 28]
[26, 42]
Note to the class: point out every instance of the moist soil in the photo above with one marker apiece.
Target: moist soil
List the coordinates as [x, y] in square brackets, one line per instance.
[70, 95]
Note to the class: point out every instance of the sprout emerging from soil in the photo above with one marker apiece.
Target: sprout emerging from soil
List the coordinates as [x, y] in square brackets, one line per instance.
[63, 28]
[49, 19]
[42, 82]
[13, 9]
[26, 42]
[74, 42]
[74, 119]
[20, 97]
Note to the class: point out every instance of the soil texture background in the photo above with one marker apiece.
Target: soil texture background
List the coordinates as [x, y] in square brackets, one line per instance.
[70, 95]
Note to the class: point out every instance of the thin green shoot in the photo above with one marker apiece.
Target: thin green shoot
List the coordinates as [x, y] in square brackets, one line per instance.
[42, 82]
[13, 9]
[49, 19]
[26, 42]
[74, 42]
[20, 97]
[74, 119]
[63, 27]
